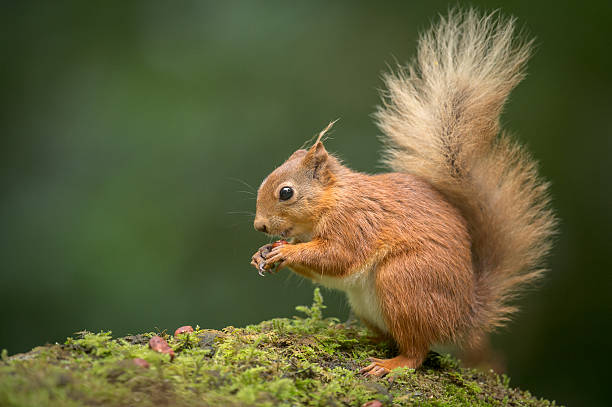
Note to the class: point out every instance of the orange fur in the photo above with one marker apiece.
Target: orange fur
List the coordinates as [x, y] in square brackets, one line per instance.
[433, 252]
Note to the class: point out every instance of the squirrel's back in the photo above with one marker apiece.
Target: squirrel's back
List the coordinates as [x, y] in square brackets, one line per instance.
[440, 118]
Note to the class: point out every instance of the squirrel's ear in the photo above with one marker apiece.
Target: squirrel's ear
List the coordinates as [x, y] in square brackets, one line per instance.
[316, 160]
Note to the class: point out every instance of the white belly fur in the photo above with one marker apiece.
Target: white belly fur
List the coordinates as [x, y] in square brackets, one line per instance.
[360, 289]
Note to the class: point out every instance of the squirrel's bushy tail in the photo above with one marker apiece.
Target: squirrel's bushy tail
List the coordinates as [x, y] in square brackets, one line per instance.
[440, 118]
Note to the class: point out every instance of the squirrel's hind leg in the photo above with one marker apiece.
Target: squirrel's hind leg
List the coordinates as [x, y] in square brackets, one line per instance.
[408, 312]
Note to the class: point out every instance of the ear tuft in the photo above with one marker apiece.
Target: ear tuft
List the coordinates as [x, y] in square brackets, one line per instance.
[316, 159]
[325, 130]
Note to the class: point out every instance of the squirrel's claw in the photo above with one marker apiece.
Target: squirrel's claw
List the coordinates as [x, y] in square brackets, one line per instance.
[374, 369]
[258, 261]
[261, 269]
[380, 367]
[268, 258]
[258, 266]
[263, 261]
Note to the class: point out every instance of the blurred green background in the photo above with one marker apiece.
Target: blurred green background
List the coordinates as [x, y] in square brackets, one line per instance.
[130, 130]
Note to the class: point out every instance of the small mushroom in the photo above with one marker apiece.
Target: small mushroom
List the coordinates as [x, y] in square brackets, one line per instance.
[183, 330]
[159, 344]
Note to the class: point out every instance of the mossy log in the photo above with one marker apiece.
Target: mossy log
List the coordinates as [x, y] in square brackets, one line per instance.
[310, 361]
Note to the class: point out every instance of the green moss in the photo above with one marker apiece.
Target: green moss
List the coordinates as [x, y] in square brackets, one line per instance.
[282, 362]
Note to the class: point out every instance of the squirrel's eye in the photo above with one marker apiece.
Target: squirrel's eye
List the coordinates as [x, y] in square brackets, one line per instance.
[285, 193]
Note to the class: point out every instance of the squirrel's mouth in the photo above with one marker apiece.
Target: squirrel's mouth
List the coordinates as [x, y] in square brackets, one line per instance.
[285, 233]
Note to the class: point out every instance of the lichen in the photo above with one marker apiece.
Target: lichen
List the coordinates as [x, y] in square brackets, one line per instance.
[311, 361]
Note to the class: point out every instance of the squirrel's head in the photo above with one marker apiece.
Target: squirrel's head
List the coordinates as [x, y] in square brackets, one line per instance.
[291, 197]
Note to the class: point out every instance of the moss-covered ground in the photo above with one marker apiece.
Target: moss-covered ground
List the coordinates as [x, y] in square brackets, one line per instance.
[307, 360]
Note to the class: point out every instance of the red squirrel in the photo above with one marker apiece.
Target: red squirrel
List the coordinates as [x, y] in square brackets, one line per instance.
[434, 251]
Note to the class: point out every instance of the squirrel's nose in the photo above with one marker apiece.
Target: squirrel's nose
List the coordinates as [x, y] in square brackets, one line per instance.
[260, 225]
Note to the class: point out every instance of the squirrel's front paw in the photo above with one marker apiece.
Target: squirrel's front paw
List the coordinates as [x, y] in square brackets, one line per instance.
[262, 259]
[278, 257]
[258, 260]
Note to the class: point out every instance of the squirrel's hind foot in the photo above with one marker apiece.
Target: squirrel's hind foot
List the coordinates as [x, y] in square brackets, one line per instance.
[380, 367]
